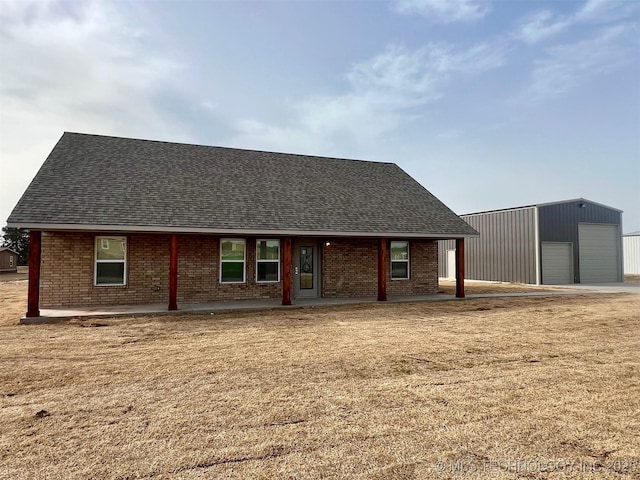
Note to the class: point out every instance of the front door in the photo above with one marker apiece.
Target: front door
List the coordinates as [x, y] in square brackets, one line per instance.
[305, 270]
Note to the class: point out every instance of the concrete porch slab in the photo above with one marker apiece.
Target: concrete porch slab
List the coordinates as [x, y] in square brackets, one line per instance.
[57, 315]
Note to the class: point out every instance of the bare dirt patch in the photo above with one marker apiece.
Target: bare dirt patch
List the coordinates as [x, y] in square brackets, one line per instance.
[448, 286]
[460, 389]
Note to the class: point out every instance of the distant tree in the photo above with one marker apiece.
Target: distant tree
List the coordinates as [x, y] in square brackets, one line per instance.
[17, 239]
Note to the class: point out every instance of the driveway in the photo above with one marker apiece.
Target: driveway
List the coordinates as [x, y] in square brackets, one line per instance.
[605, 287]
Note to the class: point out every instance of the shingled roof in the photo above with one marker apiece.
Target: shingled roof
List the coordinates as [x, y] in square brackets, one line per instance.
[92, 182]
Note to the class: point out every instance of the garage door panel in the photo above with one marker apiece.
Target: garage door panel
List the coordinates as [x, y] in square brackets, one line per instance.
[557, 263]
[599, 255]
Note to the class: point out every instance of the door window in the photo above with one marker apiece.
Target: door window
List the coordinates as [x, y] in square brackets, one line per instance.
[306, 268]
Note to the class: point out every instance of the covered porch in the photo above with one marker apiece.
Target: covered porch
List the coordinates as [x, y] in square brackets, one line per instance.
[289, 275]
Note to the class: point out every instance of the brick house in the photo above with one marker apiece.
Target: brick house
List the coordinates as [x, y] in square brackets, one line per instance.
[117, 221]
[8, 260]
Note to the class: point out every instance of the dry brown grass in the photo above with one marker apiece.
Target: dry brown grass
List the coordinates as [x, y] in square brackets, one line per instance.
[13, 302]
[373, 391]
[13, 277]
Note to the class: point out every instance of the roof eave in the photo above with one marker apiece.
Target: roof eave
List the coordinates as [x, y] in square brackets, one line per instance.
[230, 231]
[547, 204]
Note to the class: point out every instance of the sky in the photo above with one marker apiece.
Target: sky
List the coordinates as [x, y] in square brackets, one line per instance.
[488, 104]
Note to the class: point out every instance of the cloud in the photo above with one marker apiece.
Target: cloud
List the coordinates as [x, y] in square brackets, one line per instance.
[608, 31]
[604, 11]
[566, 66]
[76, 66]
[445, 11]
[544, 24]
[384, 92]
[81, 61]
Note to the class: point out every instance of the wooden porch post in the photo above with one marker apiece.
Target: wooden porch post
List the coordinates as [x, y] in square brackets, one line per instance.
[383, 262]
[173, 273]
[286, 271]
[460, 267]
[33, 295]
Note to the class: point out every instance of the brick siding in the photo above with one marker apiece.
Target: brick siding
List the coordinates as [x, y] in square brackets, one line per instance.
[423, 271]
[199, 272]
[67, 271]
[348, 269]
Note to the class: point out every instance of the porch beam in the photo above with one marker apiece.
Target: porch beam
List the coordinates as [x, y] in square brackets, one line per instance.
[173, 273]
[383, 262]
[33, 295]
[460, 267]
[286, 271]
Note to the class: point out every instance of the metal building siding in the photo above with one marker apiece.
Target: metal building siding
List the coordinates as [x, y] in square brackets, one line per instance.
[631, 248]
[559, 223]
[505, 250]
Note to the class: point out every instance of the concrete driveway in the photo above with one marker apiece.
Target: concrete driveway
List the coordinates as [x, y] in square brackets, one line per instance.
[605, 287]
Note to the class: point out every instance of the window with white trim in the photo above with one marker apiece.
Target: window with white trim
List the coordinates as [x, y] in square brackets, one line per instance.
[267, 260]
[399, 260]
[110, 261]
[232, 260]
[11, 260]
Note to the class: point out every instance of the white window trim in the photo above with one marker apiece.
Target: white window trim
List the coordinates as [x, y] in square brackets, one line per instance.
[267, 261]
[123, 240]
[244, 261]
[408, 260]
[11, 259]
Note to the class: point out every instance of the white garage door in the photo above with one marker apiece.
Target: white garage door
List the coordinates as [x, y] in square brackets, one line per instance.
[599, 257]
[557, 263]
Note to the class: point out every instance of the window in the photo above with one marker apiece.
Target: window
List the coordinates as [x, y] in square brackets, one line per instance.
[268, 260]
[232, 260]
[399, 260]
[11, 260]
[111, 261]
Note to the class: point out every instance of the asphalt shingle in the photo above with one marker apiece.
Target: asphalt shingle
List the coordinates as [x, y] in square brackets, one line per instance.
[99, 180]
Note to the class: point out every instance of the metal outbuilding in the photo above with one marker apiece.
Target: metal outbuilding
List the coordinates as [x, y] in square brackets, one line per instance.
[631, 251]
[571, 241]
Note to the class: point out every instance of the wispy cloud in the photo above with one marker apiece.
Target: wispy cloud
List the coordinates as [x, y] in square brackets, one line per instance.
[566, 66]
[544, 24]
[603, 11]
[383, 92]
[445, 11]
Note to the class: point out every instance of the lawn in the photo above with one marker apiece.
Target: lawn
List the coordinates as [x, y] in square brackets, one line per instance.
[539, 387]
